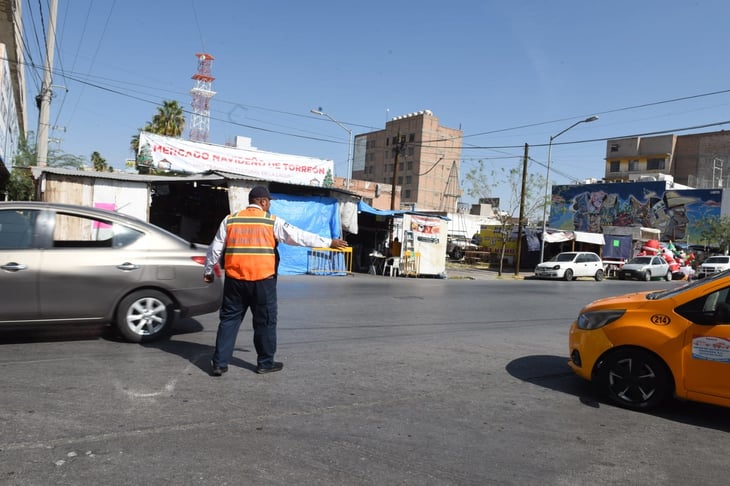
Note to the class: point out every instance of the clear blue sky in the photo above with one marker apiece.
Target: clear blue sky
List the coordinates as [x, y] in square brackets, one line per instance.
[507, 73]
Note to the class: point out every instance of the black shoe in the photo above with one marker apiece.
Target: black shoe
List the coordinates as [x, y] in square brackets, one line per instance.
[277, 366]
[219, 370]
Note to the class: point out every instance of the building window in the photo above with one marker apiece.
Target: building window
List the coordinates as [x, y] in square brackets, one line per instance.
[400, 180]
[614, 166]
[655, 164]
[615, 147]
[407, 194]
[409, 179]
[410, 150]
[633, 165]
[409, 165]
[412, 137]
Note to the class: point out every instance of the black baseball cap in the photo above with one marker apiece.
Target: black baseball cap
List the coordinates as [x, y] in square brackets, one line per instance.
[259, 192]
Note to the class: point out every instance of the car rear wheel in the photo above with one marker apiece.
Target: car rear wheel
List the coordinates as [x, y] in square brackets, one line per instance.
[457, 253]
[145, 315]
[599, 275]
[634, 379]
[647, 275]
[568, 275]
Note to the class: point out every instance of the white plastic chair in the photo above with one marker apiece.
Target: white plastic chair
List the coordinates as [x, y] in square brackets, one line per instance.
[392, 266]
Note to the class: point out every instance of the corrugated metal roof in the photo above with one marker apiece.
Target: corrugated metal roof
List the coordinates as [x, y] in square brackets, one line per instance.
[125, 176]
[213, 175]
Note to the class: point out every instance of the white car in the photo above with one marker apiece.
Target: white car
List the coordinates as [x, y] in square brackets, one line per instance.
[645, 268]
[571, 264]
[713, 265]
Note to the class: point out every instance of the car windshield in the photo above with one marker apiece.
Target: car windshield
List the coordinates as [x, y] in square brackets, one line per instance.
[643, 260]
[564, 257]
[665, 294]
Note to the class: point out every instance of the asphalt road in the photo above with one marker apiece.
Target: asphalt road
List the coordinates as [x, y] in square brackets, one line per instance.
[386, 381]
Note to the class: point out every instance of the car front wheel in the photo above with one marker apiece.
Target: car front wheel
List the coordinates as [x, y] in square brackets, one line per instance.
[668, 276]
[145, 315]
[647, 275]
[634, 379]
[457, 253]
[568, 275]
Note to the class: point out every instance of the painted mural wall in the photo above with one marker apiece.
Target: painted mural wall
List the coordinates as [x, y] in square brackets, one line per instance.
[677, 213]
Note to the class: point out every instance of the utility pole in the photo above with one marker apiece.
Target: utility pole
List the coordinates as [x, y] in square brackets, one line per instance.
[45, 95]
[397, 148]
[522, 212]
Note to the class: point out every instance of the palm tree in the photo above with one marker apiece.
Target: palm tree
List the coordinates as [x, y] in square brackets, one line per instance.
[169, 121]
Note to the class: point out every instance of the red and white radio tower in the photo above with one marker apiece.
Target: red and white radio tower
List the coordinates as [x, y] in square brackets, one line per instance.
[200, 122]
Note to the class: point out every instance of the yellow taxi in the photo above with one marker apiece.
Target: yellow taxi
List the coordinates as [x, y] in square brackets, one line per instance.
[645, 347]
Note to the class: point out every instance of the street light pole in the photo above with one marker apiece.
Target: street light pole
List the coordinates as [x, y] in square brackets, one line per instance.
[349, 143]
[547, 182]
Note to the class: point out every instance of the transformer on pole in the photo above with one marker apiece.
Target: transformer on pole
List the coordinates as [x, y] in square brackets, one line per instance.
[202, 93]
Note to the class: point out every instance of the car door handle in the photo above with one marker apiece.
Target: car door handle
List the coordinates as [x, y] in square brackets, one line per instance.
[128, 266]
[14, 267]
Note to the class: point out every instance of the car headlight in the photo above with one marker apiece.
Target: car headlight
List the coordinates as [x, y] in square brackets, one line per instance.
[598, 319]
[556, 267]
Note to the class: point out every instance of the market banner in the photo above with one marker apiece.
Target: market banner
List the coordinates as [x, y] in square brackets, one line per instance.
[174, 154]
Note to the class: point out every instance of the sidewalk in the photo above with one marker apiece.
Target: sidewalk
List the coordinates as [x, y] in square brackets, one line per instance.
[458, 270]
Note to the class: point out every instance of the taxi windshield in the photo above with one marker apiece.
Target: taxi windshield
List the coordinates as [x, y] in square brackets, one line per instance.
[664, 294]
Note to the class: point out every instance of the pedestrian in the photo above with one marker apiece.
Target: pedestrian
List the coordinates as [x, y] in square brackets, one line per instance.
[247, 243]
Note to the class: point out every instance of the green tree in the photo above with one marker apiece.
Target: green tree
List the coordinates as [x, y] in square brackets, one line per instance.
[99, 163]
[20, 185]
[328, 180]
[480, 183]
[169, 121]
[716, 231]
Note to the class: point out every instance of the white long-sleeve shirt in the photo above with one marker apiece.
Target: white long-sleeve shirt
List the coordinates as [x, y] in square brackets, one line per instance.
[283, 232]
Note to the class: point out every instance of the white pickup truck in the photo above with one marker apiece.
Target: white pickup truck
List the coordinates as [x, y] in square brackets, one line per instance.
[713, 265]
[457, 245]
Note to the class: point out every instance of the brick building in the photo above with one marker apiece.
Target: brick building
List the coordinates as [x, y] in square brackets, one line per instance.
[428, 158]
[700, 160]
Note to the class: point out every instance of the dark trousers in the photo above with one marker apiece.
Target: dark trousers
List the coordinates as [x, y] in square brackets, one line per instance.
[238, 296]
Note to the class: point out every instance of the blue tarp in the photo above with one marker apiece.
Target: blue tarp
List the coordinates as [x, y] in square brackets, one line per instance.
[364, 207]
[315, 214]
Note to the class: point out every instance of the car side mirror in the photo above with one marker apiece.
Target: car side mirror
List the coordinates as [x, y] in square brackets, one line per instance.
[722, 313]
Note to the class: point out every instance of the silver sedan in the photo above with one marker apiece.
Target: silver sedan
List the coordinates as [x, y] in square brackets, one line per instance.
[62, 263]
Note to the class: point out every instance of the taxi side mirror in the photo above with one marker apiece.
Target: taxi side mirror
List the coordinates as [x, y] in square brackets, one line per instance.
[722, 313]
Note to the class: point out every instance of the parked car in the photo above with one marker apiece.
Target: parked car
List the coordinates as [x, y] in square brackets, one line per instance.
[642, 348]
[713, 265]
[571, 264]
[62, 263]
[456, 246]
[645, 268]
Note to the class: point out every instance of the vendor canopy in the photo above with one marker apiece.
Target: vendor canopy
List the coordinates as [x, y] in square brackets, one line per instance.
[580, 236]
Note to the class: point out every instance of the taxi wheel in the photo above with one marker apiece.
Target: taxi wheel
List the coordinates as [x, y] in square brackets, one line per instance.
[145, 315]
[635, 379]
[568, 275]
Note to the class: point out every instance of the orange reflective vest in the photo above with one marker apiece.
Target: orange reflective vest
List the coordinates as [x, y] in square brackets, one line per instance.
[250, 252]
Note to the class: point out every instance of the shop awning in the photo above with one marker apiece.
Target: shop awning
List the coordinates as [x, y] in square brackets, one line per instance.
[580, 236]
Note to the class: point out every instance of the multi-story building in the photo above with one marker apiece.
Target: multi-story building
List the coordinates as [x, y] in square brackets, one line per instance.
[428, 160]
[13, 117]
[700, 160]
